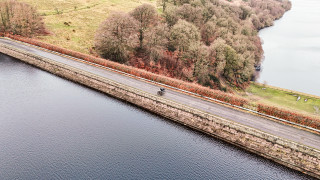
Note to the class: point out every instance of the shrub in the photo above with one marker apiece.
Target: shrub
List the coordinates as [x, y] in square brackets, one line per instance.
[289, 115]
[116, 37]
[20, 18]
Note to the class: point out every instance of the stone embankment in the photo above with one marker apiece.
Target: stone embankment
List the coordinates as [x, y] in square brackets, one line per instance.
[296, 156]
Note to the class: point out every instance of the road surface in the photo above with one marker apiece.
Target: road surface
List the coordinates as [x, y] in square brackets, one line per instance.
[251, 120]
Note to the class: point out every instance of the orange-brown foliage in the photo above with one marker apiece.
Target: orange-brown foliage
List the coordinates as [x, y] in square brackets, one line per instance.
[289, 115]
[192, 87]
[20, 18]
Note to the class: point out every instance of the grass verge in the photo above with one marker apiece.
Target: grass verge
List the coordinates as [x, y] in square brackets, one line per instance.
[294, 101]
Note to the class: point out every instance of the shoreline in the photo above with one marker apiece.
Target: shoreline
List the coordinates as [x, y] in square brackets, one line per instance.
[287, 90]
[290, 49]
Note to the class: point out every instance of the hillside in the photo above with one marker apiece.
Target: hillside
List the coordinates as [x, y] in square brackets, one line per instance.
[73, 23]
[210, 42]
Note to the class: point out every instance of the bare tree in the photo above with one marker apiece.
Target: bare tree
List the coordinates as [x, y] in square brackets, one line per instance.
[163, 4]
[198, 54]
[156, 41]
[146, 15]
[20, 18]
[217, 49]
[171, 16]
[183, 34]
[208, 32]
[191, 14]
[116, 37]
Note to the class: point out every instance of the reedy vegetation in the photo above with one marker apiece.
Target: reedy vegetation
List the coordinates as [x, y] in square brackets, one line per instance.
[210, 42]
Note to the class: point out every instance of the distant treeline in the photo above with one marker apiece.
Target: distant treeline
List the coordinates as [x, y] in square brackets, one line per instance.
[210, 42]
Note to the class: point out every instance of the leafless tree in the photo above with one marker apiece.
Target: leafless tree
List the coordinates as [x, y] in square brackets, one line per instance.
[146, 15]
[20, 18]
[208, 32]
[116, 37]
[183, 34]
[156, 40]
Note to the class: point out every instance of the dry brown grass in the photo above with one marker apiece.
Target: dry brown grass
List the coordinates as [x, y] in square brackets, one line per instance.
[83, 17]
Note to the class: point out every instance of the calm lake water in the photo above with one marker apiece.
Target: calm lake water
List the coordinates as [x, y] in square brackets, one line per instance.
[292, 49]
[51, 128]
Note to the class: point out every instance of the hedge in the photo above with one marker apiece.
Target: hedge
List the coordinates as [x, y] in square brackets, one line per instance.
[192, 87]
[289, 115]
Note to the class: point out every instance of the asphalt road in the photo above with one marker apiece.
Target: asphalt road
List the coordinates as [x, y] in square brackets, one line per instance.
[251, 120]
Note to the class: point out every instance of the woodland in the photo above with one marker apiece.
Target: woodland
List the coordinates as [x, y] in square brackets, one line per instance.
[210, 42]
[213, 43]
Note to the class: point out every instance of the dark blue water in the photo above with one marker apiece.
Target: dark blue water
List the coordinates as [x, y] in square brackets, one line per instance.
[51, 128]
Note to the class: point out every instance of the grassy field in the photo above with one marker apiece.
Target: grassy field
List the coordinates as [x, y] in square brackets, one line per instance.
[73, 23]
[289, 100]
